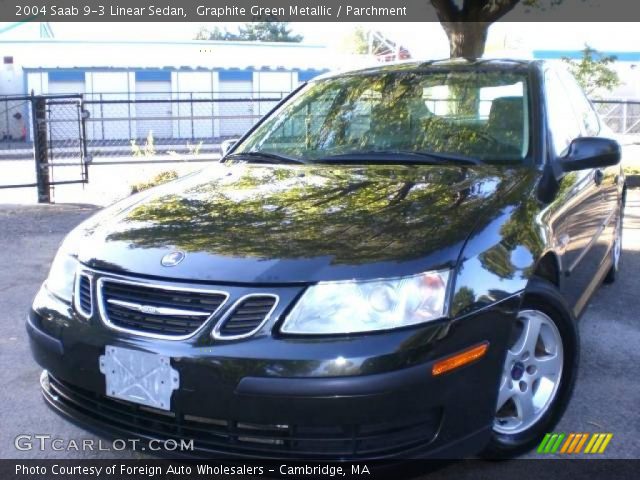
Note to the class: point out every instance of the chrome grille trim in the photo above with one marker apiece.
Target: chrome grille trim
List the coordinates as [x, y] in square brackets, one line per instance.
[216, 330]
[151, 310]
[76, 295]
[149, 284]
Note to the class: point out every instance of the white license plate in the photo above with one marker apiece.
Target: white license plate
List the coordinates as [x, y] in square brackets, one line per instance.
[139, 377]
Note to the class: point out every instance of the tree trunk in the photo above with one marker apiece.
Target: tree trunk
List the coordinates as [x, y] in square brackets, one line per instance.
[466, 39]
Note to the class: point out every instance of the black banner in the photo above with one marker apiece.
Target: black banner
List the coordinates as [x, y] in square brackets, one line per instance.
[537, 469]
[298, 11]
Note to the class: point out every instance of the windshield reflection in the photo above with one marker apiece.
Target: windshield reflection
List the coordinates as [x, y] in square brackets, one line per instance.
[477, 114]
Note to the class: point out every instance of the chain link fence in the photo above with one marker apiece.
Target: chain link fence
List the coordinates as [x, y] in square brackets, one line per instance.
[74, 132]
[158, 125]
[622, 116]
[66, 134]
[14, 127]
[149, 126]
[185, 125]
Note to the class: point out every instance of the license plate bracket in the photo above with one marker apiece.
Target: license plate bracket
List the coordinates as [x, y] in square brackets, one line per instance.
[139, 377]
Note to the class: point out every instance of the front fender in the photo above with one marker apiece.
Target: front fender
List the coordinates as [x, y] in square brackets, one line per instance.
[503, 252]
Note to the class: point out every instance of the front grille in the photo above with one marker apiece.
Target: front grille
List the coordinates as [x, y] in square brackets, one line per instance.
[246, 316]
[157, 310]
[84, 303]
[236, 437]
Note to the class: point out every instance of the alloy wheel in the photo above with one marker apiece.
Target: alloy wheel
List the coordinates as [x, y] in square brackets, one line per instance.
[531, 374]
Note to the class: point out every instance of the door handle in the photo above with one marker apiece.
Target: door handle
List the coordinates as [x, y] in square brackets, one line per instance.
[598, 176]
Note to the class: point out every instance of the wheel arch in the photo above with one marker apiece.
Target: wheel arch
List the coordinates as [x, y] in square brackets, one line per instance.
[548, 268]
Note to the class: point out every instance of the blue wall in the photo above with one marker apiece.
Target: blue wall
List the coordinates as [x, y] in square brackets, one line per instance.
[577, 54]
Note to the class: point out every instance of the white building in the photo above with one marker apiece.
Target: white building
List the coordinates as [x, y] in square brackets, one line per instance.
[134, 70]
[53, 66]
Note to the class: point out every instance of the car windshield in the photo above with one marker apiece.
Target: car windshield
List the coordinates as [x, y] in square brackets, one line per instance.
[401, 116]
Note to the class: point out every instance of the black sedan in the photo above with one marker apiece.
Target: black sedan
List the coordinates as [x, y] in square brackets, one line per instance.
[390, 264]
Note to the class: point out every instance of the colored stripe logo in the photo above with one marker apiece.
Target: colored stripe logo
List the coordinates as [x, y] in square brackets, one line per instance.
[573, 443]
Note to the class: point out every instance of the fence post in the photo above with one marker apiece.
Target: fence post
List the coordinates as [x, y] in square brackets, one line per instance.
[40, 150]
[191, 108]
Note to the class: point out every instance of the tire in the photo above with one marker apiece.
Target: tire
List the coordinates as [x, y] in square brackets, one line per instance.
[515, 433]
[616, 249]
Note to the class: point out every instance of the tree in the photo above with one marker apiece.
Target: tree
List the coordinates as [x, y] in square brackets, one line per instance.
[254, 31]
[593, 71]
[269, 32]
[362, 41]
[216, 34]
[357, 41]
[467, 25]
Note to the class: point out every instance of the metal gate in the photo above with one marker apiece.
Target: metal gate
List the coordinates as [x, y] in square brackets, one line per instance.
[54, 131]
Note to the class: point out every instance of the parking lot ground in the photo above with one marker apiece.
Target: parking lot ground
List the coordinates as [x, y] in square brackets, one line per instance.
[605, 399]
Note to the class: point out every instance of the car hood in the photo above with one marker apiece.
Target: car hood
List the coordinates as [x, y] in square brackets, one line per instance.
[288, 224]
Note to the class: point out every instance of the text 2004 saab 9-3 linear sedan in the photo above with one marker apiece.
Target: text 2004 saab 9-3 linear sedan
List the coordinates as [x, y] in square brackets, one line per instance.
[389, 264]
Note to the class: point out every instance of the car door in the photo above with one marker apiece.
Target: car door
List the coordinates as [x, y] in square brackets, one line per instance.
[581, 213]
[607, 178]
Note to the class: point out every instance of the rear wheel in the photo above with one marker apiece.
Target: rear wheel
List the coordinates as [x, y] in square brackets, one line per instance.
[538, 374]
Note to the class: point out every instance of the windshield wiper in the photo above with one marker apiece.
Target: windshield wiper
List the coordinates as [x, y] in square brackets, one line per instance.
[401, 156]
[264, 157]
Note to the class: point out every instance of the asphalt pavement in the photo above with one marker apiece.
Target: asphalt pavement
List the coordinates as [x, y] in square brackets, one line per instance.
[605, 399]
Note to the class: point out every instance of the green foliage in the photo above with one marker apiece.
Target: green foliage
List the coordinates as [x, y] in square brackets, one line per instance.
[192, 149]
[147, 150]
[594, 71]
[159, 179]
[253, 31]
[356, 41]
[204, 33]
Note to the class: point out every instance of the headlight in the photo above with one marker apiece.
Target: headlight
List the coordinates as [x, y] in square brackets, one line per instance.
[62, 274]
[348, 307]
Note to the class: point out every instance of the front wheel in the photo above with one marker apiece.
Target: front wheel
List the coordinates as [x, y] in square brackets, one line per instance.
[538, 374]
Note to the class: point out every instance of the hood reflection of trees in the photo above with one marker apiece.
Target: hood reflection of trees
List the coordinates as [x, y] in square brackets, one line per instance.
[353, 214]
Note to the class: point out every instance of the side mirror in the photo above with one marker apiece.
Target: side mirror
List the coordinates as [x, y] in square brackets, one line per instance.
[227, 145]
[591, 152]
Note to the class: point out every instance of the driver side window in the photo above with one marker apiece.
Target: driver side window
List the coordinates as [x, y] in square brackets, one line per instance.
[563, 124]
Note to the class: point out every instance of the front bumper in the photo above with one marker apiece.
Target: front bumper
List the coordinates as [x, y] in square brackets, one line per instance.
[350, 398]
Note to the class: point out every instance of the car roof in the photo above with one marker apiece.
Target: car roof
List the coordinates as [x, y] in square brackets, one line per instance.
[448, 64]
